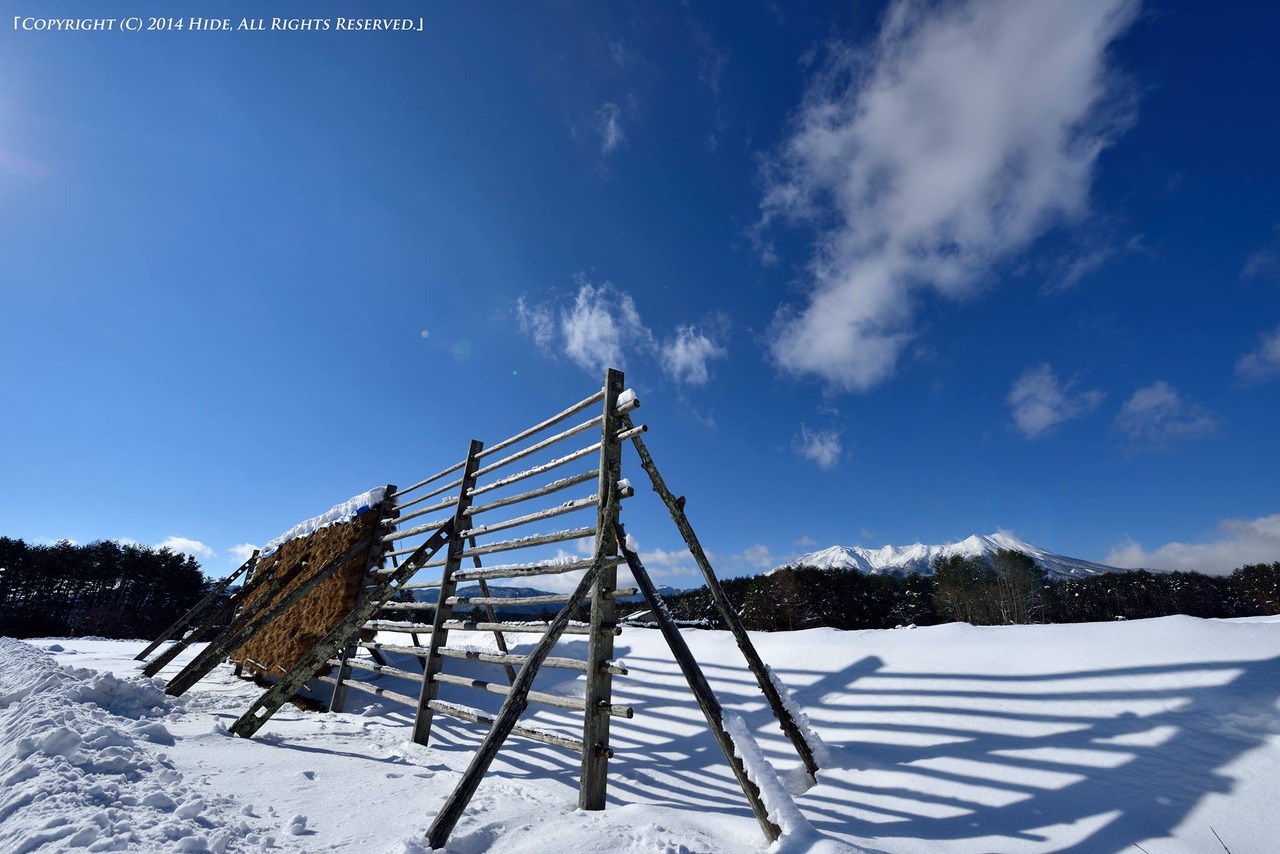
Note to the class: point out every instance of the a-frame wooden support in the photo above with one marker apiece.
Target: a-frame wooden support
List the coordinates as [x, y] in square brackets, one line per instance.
[189, 618]
[444, 608]
[702, 692]
[339, 637]
[518, 699]
[764, 677]
[259, 613]
[240, 606]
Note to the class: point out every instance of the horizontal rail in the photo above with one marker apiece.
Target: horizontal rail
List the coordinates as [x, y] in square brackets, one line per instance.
[556, 463]
[417, 651]
[421, 585]
[432, 494]
[536, 470]
[475, 716]
[425, 528]
[422, 511]
[523, 570]
[379, 669]
[538, 516]
[521, 660]
[561, 702]
[543, 445]
[473, 626]
[407, 606]
[530, 541]
[522, 601]
[554, 486]
[450, 470]
[412, 702]
[538, 428]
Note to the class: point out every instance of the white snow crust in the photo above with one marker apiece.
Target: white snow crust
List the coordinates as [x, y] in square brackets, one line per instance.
[903, 560]
[1107, 737]
[344, 512]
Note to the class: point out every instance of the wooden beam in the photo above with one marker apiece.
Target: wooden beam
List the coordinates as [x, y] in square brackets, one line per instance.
[189, 617]
[706, 698]
[675, 506]
[242, 606]
[440, 627]
[593, 783]
[505, 721]
[317, 658]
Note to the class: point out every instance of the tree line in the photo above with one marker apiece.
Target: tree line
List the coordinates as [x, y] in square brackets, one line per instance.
[105, 588]
[1004, 588]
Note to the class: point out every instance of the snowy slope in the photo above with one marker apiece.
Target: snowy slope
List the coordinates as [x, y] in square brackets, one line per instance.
[903, 560]
[952, 739]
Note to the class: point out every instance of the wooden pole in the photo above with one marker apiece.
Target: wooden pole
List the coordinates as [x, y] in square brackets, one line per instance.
[318, 657]
[707, 701]
[516, 702]
[439, 631]
[196, 611]
[239, 606]
[373, 562]
[593, 783]
[675, 506]
[250, 623]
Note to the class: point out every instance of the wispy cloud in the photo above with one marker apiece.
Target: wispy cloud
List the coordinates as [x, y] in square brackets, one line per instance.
[685, 357]
[601, 327]
[195, 548]
[1263, 362]
[820, 446]
[1157, 416]
[964, 133]
[601, 321]
[1039, 400]
[608, 123]
[758, 556]
[1241, 541]
[243, 552]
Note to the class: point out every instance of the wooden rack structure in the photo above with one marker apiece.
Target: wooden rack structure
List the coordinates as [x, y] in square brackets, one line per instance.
[443, 529]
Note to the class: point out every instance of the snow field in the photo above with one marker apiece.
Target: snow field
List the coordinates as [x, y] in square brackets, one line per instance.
[1077, 738]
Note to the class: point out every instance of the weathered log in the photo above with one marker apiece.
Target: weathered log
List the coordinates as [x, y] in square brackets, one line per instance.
[553, 486]
[311, 663]
[593, 782]
[505, 723]
[706, 698]
[190, 616]
[675, 506]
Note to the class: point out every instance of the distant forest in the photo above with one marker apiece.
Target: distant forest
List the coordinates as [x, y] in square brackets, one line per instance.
[1006, 588]
[104, 588]
[129, 591]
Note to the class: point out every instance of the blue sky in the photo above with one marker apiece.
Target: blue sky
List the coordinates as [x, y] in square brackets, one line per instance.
[879, 273]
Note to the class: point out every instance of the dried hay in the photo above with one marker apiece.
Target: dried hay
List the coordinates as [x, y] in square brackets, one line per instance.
[283, 642]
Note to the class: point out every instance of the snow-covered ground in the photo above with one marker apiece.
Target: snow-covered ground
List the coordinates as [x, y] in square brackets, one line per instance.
[1084, 738]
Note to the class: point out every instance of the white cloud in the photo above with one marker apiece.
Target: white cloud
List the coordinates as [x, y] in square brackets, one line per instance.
[685, 356]
[195, 548]
[243, 552]
[758, 556]
[964, 133]
[600, 323]
[1039, 400]
[602, 328]
[820, 446]
[1242, 541]
[608, 123]
[1263, 363]
[806, 542]
[536, 321]
[1264, 262]
[1157, 416]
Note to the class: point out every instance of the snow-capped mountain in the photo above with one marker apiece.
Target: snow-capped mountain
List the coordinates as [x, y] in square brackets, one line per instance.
[903, 560]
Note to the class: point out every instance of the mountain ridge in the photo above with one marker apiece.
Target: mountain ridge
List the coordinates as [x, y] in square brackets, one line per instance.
[918, 557]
